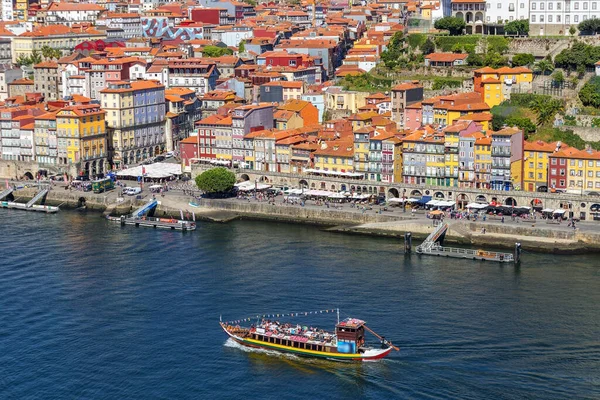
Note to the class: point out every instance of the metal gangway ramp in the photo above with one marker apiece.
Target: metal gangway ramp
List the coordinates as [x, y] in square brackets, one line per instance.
[434, 237]
[6, 192]
[144, 209]
[40, 195]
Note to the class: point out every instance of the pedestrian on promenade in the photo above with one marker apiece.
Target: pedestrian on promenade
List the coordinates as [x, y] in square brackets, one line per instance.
[502, 219]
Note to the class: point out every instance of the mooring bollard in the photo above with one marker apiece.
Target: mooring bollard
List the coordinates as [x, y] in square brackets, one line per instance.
[517, 253]
[407, 242]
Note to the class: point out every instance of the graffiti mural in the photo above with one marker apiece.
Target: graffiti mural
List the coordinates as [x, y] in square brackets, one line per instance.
[159, 28]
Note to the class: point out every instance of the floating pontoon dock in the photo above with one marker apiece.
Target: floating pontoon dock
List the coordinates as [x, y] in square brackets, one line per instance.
[433, 245]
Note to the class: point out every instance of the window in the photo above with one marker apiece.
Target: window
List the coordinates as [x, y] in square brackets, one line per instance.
[594, 6]
[585, 5]
[533, 6]
[533, 18]
[558, 18]
[522, 5]
[541, 18]
[576, 18]
[499, 5]
[558, 6]
[550, 6]
[576, 6]
[541, 6]
[549, 18]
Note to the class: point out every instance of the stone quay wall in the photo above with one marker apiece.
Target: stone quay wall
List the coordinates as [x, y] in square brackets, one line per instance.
[324, 216]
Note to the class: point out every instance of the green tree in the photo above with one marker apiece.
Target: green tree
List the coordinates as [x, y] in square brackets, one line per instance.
[578, 55]
[524, 124]
[428, 47]
[558, 77]
[475, 60]
[590, 92]
[214, 51]
[494, 60]
[242, 46]
[521, 59]
[24, 60]
[49, 52]
[395, 48]
[572, 30]
[517, 27]
[546, 108]
[596, 122]
[457, 48]
[216, 180]
[589, 26]
[454, 25]
[544, 67]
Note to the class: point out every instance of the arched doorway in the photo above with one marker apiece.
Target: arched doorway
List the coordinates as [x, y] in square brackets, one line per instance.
[536, 203]
[343, 187]
[438, 195]
[303, 183]
[462, 200]
[511, 202]
[312, 185]
[244, 178]
[323, 185]
[333, 188]
[416, 193]
[264, 179]
[28, 175]
[393, 192]
[481, 199]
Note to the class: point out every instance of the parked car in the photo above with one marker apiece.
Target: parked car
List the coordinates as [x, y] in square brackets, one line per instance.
[169, 154]
[132, 191]
[159, 158]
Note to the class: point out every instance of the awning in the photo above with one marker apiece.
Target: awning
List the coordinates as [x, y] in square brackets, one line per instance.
[559, 211]
[478, 206]
[157, 171]
[547, 210]
[396, 200]
[247, 186]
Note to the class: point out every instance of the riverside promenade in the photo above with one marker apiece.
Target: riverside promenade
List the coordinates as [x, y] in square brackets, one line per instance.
[534, 235]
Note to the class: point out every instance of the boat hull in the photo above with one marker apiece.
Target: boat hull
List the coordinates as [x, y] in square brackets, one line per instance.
[368, 355]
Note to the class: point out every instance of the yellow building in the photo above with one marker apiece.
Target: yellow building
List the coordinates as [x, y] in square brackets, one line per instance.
[335, 155]
[361, 149]
[451, 139]
[483, 162]
[495, 85]
[84, 128]
[287, 120]
[535, 168]
[338, 99]
[448, 109]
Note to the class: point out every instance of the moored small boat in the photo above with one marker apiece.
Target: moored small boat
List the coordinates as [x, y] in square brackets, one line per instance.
[347, 343]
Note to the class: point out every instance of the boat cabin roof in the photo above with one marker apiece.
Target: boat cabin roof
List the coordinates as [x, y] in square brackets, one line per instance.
[350, 323]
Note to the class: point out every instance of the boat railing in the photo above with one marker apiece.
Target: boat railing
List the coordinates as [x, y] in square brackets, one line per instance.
[481, 254]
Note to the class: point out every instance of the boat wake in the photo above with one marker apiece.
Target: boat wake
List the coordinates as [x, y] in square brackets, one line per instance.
[235, 345]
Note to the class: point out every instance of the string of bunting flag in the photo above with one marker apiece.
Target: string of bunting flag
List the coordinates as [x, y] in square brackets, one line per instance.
[292, 314]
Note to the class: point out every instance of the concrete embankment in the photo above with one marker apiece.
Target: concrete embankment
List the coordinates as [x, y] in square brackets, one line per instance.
[533, 236]
[226, 210]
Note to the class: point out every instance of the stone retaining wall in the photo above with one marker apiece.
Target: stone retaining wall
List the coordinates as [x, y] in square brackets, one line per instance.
[324, 216]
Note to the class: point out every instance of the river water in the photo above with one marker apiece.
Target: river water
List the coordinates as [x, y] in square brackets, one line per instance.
[91, 310]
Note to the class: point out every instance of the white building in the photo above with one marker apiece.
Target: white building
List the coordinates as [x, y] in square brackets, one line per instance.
[72, 13]
[556, 17]
[6, 10]
[500, 11]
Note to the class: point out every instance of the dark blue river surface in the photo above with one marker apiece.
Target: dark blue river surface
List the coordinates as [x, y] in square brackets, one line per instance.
[91, 310]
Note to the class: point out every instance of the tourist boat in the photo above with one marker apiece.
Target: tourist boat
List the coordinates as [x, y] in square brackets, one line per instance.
[346, 344]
